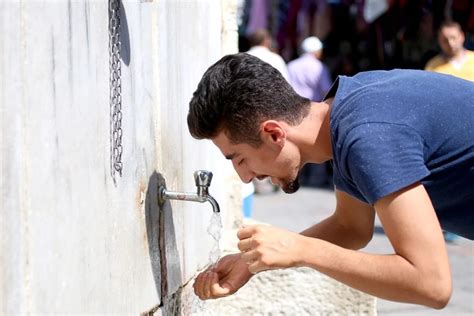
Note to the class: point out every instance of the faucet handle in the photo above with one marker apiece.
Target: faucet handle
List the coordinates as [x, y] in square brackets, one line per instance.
[203, 178]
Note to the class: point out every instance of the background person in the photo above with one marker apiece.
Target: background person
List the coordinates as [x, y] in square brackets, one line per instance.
[454, 58]
[307, 74]
[261, 46]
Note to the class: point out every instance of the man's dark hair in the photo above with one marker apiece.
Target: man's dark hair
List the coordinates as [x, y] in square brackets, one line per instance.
[238, 93]
[450, 23]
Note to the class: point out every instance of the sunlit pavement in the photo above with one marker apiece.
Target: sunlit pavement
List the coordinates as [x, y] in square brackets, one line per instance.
[308, 206]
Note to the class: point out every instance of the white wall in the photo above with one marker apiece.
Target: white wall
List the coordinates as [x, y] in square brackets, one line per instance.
[70, 240]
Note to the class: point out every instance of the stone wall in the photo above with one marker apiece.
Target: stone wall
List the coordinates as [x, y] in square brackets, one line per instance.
[71, 240]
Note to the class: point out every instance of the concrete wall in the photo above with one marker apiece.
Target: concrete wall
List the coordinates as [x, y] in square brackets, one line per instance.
[71, 240]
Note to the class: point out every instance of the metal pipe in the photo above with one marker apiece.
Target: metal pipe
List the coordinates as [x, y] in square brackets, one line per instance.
[203, 180]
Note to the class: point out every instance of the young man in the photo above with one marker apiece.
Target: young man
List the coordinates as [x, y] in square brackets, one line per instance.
[402, 146]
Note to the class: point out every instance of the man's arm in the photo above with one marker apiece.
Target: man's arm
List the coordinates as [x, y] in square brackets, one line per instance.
[418, 272]
[351, 226]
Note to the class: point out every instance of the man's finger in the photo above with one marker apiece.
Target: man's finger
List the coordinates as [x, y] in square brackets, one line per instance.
[249, 257]
[245, 244]
[198, 285]
[256, 267]
[217, 290]
[207, 285]
[246, 232]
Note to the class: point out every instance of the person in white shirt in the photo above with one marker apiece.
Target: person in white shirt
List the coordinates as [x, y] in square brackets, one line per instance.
[261, 43]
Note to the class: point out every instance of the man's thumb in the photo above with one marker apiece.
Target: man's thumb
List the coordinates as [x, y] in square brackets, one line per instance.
[221, 290]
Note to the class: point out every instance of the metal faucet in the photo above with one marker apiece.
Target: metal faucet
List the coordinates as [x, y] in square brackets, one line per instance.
[203, 180]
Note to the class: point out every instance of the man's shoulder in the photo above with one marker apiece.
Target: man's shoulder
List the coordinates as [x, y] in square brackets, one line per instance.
[301, 61]
[435, 62]
[470, 55]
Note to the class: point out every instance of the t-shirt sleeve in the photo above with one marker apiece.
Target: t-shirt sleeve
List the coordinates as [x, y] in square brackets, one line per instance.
[382, 158]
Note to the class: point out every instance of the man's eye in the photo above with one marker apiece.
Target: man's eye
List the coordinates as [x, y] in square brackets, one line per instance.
[240, 162]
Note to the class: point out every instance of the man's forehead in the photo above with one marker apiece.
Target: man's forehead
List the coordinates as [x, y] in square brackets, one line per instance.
[450, 30]
[221, 140]
[223, 143]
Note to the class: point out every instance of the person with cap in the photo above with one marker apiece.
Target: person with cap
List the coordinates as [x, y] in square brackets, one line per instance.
[307, 74]
[311, 79]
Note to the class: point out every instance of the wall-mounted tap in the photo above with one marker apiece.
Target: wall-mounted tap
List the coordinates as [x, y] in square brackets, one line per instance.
[203, 180]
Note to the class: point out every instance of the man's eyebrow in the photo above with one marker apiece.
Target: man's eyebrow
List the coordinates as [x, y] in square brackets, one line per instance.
[230, 156]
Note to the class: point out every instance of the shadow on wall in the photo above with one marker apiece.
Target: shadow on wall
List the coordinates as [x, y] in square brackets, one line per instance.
[164, 257]
[124, 37]
[123, 33]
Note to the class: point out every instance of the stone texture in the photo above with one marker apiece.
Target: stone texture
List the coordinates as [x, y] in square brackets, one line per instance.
[298, 291]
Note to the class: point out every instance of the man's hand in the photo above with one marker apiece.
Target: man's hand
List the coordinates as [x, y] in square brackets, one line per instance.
[266, 247]
[224, 278]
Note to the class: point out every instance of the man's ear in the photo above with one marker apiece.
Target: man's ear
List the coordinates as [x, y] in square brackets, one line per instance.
[274, 132]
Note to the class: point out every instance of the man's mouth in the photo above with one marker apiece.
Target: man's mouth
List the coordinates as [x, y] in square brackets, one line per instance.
[275, 181]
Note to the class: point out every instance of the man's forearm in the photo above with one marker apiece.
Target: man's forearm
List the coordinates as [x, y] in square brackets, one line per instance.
[335, 233]
[417, 271]
[390, 277]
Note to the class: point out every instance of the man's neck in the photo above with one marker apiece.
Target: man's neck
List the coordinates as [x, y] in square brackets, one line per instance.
[315, 141]
[457, 58]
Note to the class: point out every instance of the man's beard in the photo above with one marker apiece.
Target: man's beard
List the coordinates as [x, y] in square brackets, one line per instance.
[291, 186]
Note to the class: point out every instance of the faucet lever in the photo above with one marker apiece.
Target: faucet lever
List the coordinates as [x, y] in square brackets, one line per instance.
[202, 178]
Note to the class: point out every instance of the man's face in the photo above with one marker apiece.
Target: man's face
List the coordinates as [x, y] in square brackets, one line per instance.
[280, 163]
[451, 41]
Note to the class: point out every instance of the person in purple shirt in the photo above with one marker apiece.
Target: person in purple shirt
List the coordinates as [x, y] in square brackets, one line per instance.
[307, 74]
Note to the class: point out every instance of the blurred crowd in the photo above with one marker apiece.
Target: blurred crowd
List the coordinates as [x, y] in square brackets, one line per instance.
[311, 42]
[357, 35]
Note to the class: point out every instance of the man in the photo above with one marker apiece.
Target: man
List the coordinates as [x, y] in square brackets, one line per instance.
[455, 59]
[307, 74]
[402, 146]
[260, 46]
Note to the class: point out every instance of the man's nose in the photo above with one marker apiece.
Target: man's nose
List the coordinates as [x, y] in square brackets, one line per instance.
[244, 173]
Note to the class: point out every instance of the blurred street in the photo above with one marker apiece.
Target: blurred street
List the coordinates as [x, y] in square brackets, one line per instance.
[308, 206]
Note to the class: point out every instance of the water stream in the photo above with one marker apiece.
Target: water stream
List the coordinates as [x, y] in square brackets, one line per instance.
[215, 231]
[198, 307]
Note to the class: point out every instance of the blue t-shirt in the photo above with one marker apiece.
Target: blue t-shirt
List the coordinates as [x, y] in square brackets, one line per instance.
[391, 129]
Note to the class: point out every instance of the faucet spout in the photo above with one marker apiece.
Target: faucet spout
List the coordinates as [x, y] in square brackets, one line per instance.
[203, 181]
[215, 205]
